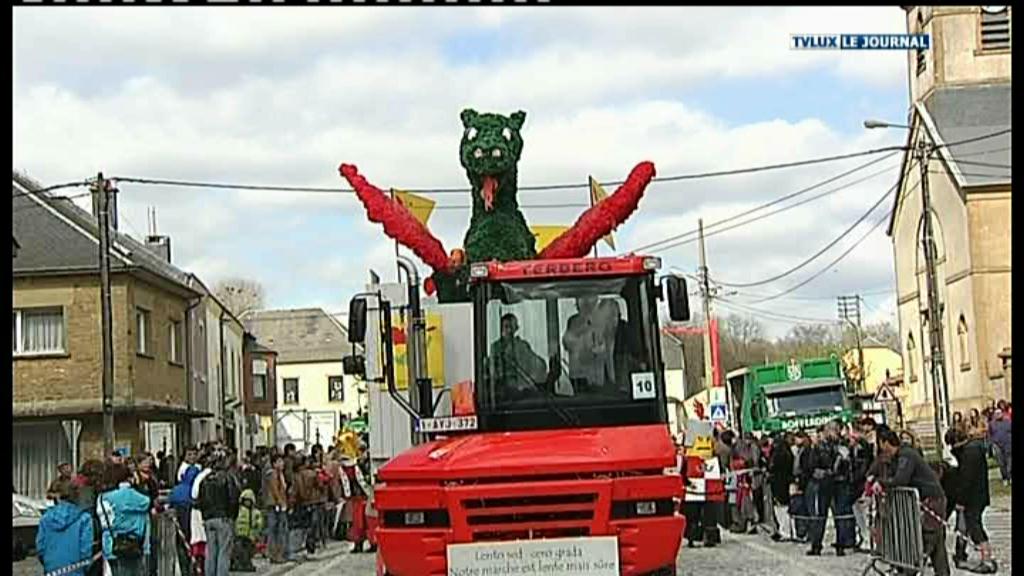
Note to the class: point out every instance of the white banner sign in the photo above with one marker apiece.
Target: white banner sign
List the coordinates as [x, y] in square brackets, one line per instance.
[596, 556]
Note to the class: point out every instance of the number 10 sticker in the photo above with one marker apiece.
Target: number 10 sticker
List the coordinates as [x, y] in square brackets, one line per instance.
[643, 386]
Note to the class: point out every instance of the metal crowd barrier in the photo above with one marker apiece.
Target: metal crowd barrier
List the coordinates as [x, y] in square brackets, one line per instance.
[899, 541]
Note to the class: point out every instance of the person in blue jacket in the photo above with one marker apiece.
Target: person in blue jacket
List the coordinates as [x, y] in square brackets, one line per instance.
[123, 513]
[65, 534]
[180, 501]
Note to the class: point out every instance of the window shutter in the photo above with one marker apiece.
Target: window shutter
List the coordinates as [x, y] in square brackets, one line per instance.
[995, 28]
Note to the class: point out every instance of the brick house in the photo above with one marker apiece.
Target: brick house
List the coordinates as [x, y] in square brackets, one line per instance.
[57, 352]
[259, 374]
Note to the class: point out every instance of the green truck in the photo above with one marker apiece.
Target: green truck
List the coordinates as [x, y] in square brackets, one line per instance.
[790, 396]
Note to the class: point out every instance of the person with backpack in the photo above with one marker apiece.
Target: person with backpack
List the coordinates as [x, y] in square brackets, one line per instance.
[123, 515]
[218, 504]
[180, 500]
[248, 530]
[65, 534]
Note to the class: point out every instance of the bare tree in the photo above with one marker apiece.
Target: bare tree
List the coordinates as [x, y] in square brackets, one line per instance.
[240, 295]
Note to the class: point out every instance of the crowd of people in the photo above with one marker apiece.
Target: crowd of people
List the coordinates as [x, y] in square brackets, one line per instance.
[790, 482]
[282, 504]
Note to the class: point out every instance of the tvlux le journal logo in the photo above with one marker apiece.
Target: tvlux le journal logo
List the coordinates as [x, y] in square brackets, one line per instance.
[860, 42]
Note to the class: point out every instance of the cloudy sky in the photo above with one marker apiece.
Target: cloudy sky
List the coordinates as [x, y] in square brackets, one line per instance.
[283, 95]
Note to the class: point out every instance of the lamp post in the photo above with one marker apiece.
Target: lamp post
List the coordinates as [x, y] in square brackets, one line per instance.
[933, 314]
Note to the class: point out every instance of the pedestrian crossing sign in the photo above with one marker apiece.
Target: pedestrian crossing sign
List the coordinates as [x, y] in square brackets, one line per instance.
[884, 394]
[718, 412]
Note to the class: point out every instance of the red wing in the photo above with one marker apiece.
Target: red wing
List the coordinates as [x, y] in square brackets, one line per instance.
[601, 219]
[398, 222]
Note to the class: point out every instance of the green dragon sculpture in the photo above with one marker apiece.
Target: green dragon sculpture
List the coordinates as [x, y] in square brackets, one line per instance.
[490, 150]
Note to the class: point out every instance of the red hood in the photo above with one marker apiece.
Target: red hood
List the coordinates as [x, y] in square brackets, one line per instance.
[533, 453]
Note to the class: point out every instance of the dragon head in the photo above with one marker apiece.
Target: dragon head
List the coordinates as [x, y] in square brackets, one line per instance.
[490, 148]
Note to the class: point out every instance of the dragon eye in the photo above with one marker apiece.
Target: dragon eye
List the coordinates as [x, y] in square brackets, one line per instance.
[471, 133]
[507, 133]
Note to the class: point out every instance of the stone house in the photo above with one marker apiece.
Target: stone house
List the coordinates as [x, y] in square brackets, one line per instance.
[57, 352]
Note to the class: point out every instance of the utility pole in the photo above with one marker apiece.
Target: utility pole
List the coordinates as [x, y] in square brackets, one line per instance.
[849, 310]
[705, 289]
[935, 308]
[102, 189]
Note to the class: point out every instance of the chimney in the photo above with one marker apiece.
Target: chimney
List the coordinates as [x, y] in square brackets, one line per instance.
[160, 246]
[157, 244]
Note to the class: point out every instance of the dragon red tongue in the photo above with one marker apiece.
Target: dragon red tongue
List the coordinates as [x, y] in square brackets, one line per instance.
[487, 191]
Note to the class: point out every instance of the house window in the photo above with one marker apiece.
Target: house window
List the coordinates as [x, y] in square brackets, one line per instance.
[38, 331]
[291, 390]
[142, 330]
[259, 379]
[995, 27]
[175, 342]
[335, 389]
[965, 351]
[921, 56]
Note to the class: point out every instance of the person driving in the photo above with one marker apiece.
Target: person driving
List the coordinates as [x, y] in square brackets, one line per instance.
[586, 340]
[515, 366]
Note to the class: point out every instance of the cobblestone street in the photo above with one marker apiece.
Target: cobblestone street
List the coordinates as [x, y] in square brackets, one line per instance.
[739, 555]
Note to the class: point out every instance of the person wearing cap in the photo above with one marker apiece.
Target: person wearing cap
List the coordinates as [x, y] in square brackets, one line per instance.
[61, 483]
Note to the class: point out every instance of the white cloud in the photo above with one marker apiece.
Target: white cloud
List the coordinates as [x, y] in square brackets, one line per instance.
[284, 96]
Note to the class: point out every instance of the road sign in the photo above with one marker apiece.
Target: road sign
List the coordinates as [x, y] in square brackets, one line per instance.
[884, 394]
[718, 412]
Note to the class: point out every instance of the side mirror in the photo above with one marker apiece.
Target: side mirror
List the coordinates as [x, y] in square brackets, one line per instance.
[354, 366]
[678, 299]
[357, 320]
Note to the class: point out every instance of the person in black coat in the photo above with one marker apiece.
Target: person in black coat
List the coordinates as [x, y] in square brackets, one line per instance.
[970, 492]
[780, 467]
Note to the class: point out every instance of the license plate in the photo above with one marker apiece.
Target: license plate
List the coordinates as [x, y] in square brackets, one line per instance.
[588, 556]
[447, 424]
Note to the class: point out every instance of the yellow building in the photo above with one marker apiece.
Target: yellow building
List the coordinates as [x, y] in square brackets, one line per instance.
[960, 93]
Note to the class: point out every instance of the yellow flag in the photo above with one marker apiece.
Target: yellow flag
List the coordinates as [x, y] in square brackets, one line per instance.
[419, 206]
[546, 234]
[598, 194]
[435, 352]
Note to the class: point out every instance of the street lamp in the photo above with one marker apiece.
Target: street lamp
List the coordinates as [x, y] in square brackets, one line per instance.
[871, 124]
[922, 152]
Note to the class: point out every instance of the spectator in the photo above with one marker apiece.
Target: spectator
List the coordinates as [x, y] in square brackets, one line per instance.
[1001, 438]
[356, 492]
[218, 503]
[65, 534]
[250, 473]
[248, 529]
[197, 527]
[191, 458]
[910, 470]
[124, 521]
[798, 507]
[907, 437]
[146, 483]
[958, 421]
[275, 500]
[971, 493]
[88, 484]
[861, 456]
[780, 479]
[61, 483]
[977, 427]
[308, 500]
[180, 501]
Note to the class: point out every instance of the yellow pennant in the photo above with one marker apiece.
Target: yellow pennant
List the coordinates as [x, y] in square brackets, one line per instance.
[598, 194]
[546, 234]
[419, 206]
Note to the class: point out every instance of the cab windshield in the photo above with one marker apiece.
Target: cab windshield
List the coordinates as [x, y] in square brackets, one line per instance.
[568, 353]
[807, 401]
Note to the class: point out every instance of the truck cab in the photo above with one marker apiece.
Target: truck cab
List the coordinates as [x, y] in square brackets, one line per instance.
[555, 454]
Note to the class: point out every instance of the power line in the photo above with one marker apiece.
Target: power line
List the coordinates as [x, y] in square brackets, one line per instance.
[840, 188]
[817, 254]
[774, 315]
[975, 139]
[984, 164]
[746, 294]
[539, 188]
[830, 264]
[789, 196]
